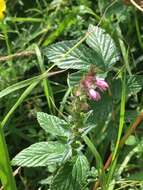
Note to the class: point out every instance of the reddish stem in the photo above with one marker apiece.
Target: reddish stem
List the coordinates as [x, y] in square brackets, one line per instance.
[137, 121]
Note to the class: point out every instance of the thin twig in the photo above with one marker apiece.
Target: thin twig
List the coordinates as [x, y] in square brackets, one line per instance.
[136, 123]
[131, 129]
[16, 55]
[138, 6]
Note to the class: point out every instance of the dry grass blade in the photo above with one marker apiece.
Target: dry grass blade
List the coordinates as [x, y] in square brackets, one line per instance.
[16, 55]
[137, 3]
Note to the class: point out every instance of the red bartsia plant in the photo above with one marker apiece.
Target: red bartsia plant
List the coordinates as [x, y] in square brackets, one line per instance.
[92, 86]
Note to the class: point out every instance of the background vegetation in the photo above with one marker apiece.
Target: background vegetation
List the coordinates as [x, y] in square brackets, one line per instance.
[25, 35]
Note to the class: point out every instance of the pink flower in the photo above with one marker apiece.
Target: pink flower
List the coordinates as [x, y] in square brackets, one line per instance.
[92, 84]
[101, 84]
[94, 95]
[88, 81]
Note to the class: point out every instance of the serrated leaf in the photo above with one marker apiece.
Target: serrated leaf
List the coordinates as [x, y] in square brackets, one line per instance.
[74, 78]
[80, 169]
[72, 177]
[80, 57]
[134, 84]
[103, 45]
[53, 125]
[42, 154]
[63, 179]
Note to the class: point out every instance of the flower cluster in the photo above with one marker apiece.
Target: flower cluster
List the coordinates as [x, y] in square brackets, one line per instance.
[92, 85]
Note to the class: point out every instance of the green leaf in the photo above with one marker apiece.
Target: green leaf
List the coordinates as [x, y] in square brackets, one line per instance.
[46, 181]
[69, 55]
[74, 78]
[18, 86]
[131, 140]
[134, 84]
[72, 177]
[101, 109]
[66, 57]
[63, 179]
[103, 45]
[80, 170]
[53, 125]
[6, 175]
[42, 154]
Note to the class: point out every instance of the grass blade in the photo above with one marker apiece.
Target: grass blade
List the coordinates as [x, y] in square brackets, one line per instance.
[6, 174]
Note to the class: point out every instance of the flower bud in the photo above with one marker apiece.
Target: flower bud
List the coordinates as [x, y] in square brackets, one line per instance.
[101, 84]
[94, 95]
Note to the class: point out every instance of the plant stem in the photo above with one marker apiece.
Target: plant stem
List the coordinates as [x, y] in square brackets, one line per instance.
[122, 114]
[124, 51]
[46, 83]
[10, 63]
[6, 174]
[136, 123]
[97, 157]
[16, 55]
[139, 35]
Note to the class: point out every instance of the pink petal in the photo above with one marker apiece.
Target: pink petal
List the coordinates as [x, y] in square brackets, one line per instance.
[94, 95]
[101, 84]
